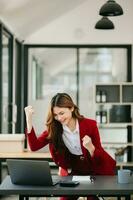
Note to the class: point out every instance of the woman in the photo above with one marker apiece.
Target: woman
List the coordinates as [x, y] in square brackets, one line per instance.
[74, 140]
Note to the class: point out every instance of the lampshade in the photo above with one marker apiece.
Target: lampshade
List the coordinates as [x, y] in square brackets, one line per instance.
[104, 23]
[111, 8]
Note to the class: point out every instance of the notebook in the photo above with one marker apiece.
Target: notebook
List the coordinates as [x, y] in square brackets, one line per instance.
[31, 172]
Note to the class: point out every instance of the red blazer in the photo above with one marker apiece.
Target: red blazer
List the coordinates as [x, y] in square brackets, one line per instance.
[101, 162]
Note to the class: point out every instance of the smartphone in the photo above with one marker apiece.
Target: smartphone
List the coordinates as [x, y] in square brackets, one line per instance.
[68, 183]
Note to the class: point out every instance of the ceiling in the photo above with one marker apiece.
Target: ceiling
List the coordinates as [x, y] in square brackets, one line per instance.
[30, 20]
[27, 16]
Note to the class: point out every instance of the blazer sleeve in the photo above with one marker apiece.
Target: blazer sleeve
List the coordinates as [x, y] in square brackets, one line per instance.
[102, 162]
[36, 143]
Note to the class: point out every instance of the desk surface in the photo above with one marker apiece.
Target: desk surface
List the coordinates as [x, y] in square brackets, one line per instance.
[26, 154]
[103, 185]
[42, 156]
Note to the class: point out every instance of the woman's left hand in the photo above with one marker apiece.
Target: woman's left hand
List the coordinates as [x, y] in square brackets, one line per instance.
[87, 143]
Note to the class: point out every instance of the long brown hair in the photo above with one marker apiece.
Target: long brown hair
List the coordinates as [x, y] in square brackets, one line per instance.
[54, 127]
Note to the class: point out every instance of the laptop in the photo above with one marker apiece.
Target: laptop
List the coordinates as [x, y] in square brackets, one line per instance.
[31, 172]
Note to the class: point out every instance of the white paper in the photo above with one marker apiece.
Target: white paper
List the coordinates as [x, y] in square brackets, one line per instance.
[81, 178]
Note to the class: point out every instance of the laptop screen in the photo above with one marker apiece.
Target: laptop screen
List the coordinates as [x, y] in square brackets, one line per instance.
[30, 172]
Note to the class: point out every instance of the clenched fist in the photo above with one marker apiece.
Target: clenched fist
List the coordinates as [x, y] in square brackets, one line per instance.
[29, 111]
[87, 143]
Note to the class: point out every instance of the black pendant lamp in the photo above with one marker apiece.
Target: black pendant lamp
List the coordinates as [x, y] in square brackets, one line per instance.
[104, 23]
[111, 8]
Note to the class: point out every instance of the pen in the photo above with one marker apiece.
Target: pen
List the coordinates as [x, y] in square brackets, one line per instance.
[92, 178]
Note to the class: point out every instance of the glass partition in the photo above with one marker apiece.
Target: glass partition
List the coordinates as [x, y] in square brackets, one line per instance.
[51, 70]
[75, 71]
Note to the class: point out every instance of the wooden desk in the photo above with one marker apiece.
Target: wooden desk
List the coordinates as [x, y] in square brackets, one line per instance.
[40, 156]
[23, 155]
[102, 186]
[26, 154]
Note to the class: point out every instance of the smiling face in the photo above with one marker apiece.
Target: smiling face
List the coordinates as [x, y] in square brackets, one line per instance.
[63, 115]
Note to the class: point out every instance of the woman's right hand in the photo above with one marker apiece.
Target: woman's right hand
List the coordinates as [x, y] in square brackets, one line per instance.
[29, 111]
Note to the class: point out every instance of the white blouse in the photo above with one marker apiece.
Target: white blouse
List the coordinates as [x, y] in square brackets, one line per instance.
[72, 139]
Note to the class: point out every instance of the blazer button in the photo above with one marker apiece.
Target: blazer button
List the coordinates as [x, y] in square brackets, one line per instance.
[82, 157]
